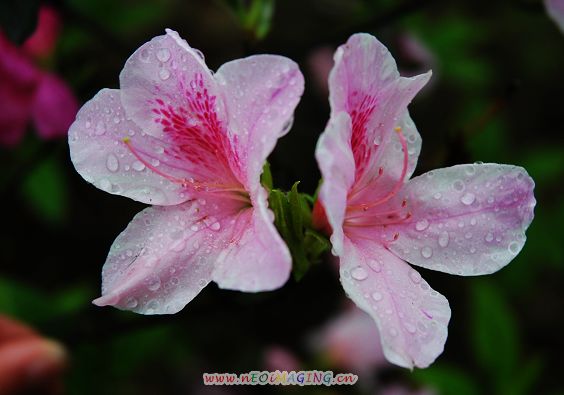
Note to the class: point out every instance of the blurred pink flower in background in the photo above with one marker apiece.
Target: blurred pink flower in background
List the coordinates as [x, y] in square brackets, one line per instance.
[398, 389]
[29, 363]
[555, 9]
[279, 358]
[319, 64]
[28, 93]
[350, 341]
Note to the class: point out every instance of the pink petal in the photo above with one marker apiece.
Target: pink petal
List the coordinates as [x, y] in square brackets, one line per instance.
[259, 260]
[280, 358]
[260, 94]
[555, 9]
[166, 255]
[100, 155]
[365, 83]
[412, 318]
[466, 219]
[18, 82]
[168, 91]
[351, 342]
[54, 107]
[336, 162]
[42, 42]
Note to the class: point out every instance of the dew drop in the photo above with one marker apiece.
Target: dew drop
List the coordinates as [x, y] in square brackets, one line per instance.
[105, 184]
[458, 185]
[513, 247]
[144, 55]
[163, 54]
[154, 283]
[437, 195]
[393, 332]
[377, 296]
[489, 237]
[414, 276]
[422, 225]
[443, 239]
[358, 273]
[131, 303]
[215, 226]
[100, 128]
[426, 252]
[164, 74]
[375, 265]
[138, 166]
[468, 198]
[112, 163]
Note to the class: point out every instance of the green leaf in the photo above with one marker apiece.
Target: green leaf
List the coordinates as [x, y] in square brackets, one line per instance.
[46, 191]
[266, 177]
[447, 380]
[495, 337]
[259, 17]
[523, 383]
[296, 212]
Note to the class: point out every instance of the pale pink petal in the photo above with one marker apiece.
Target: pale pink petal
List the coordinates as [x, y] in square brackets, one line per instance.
[259, 260]
[18, 82]
[351, 341]
[365, 83]
[101, 156]
[280, 358]
[336, 162]
[42, 42]
[167, 254]
[555, 9]
[466, 219]
[54, 107]
[169, 92]
[260, 94]
[412, 318]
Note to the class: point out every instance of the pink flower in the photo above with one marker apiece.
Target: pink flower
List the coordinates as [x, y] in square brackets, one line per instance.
[279, 358]
[466, 220]
[349, 343]
[28, 93]
[193, 144]
[555, 9]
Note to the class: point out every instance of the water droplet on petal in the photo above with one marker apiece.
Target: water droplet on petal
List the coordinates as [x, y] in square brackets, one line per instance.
[100, 128]
[426, 252]
[144, 55]
[437, 195]
[489, 237]
[458, 185]
[131, 302]
[358, 273]
[375, 265]
[153, 283]
[163, 54]
[105, 185]
[422, 225]
[443, 239]
[468, 198]
[377, 296]
[215, 226]
[164, 74]
[513, 247]
[112, 163]
[393, 332]
[138, 166]
[414, 276]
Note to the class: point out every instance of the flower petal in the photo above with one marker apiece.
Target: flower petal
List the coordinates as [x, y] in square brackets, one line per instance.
[169, 92]
[411, 317]
[336, 162]
[260, 260]
[555, 9]
[18, 82]
[99, 154]
[260, 94]
[466, 219]
[54, 107]
[166, 255]
[365, 83]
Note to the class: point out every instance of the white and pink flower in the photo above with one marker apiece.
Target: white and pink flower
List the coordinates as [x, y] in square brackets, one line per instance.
[193, 144]
[465, 220]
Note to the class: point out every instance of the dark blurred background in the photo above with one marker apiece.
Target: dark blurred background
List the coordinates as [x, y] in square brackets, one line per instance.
[495, 96]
